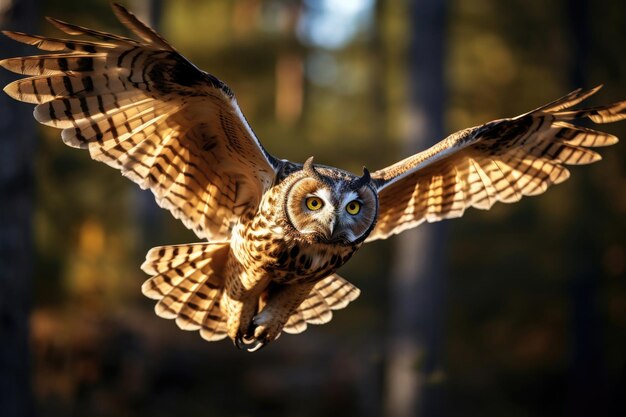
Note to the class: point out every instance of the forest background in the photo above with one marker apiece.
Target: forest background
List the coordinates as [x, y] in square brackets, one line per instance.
[518, 311]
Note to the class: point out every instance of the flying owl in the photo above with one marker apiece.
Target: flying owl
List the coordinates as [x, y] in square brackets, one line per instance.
[275, 231]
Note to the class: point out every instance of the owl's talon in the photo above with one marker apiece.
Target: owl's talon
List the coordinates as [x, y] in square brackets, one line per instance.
[257, 345]
[250, 344]
[241, 342]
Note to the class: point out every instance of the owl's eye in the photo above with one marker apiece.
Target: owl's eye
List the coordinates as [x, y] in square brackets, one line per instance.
[353, 207]
[314, 203]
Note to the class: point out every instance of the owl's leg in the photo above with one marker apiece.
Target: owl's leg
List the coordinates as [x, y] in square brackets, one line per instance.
[282, 301]
[239, 303]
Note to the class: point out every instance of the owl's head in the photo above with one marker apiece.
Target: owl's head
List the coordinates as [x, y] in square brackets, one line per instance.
[329, 206]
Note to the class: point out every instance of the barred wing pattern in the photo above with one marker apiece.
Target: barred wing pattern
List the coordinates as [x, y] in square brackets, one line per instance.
[142, 108]
[187, 281]
[502, 160]
[331, 293]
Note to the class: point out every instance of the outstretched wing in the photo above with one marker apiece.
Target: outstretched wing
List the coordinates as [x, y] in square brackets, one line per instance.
[502, 160]
[141, 107]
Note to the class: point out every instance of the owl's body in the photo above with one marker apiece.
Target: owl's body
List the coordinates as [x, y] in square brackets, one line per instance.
[276, 231]
[273, 266]
[267, 240]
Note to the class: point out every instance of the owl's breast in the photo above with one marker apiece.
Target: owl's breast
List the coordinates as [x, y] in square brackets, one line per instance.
[270, 252]
[304, 262]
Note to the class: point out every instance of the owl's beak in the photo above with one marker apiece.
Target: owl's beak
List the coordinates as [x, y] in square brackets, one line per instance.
[330, 232]
[333, 234]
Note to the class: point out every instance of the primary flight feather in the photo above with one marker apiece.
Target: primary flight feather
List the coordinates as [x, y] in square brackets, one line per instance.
[276, 230]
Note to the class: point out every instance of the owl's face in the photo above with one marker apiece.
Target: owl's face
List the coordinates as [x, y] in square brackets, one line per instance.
[332, 210]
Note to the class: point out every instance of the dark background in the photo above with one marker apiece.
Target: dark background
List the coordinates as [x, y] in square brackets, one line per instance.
[526, 303]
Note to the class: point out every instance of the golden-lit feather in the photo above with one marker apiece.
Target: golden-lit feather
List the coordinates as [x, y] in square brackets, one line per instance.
[187, 281]
[501, 160]
[144, 109]
[331, 293]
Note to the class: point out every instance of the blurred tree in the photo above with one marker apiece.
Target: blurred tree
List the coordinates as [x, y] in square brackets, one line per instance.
[414, 363]
[17, 142]
[586, 356]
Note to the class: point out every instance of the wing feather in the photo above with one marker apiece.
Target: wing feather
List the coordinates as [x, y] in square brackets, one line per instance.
[187, 281]
[138, 27]
[330, 293]
[142, 108]
[501, 160]
[59, 45]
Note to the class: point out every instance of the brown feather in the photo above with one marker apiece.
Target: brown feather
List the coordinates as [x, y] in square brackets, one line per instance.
[500, 161]
[144, 109]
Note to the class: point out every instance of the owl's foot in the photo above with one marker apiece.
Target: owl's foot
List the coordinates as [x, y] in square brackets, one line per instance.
[253, 339]
[261, 331]
[240, 327]
[265, 327]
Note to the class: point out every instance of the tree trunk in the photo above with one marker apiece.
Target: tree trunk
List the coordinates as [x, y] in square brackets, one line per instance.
[414, 364]
[588, 390]
[17, 151]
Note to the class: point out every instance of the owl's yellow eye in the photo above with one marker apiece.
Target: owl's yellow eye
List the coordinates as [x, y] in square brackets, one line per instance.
[314, 203]
[353, 207]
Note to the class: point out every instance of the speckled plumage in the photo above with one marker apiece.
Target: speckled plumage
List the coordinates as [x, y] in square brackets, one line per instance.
[276, 231]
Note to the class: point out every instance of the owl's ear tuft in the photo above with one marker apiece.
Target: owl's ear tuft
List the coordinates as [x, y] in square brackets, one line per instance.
[362, 180]
[310, 170]
[308, 165]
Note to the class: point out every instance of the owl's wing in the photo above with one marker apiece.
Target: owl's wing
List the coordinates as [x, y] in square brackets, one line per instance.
[141, 107]
[330, 293]
[502, 160]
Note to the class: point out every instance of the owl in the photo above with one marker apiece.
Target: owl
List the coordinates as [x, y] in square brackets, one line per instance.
[274, 231]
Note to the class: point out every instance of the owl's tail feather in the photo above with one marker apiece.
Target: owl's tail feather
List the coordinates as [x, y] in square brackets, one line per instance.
[187, 280]
[331, 293]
